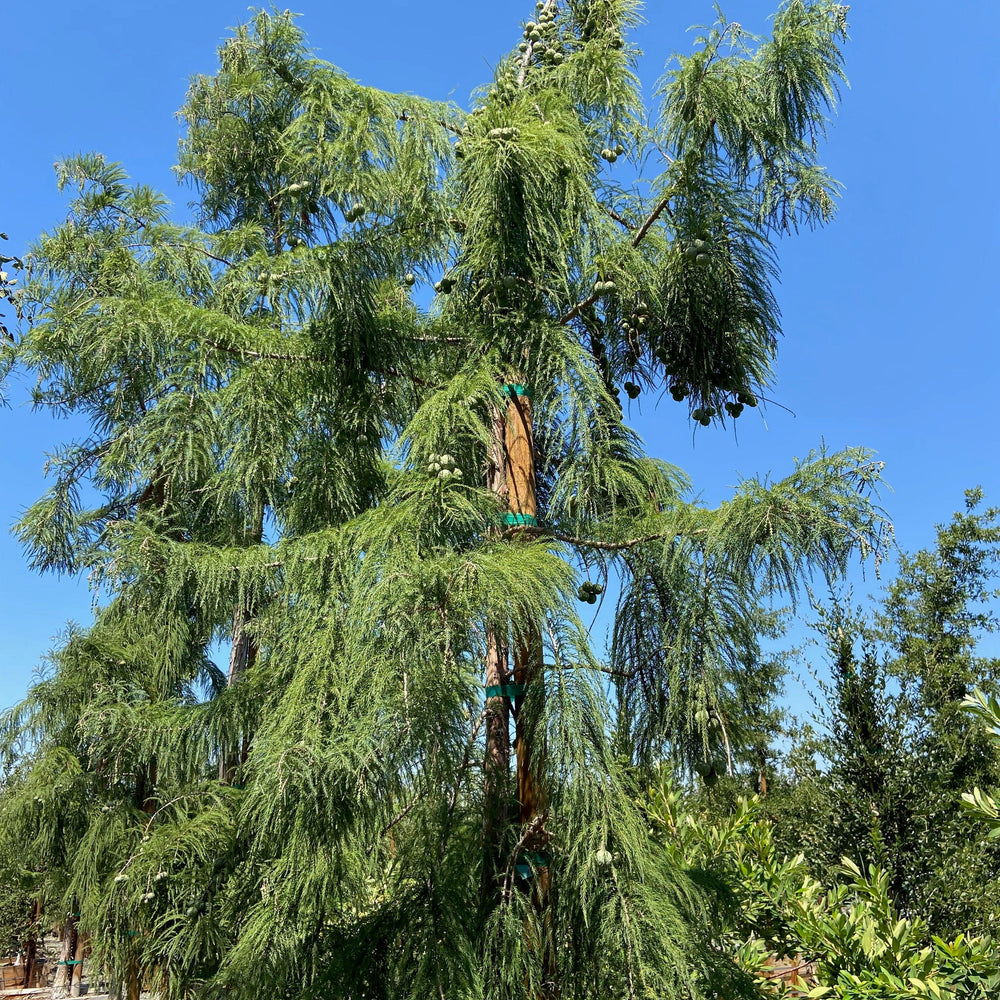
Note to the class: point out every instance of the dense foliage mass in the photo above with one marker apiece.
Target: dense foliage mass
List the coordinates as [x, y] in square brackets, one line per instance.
[380, 503]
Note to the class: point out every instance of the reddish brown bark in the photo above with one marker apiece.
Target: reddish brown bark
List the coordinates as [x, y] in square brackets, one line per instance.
[519, 456]
[519, 453]
[496, 765]
[31, 945]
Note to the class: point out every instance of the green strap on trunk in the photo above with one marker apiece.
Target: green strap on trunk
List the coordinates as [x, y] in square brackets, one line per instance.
[528, 861]
[504, 690]
[519, 520]
[512, 389]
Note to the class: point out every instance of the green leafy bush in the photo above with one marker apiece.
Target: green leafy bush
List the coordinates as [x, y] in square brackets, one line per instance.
[861, 947]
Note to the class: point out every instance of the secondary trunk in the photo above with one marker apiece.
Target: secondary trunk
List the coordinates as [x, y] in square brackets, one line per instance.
[67, 956]
[79, 950]
[31, 945]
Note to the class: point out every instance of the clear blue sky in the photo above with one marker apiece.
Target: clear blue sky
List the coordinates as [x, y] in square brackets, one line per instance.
[890, 314]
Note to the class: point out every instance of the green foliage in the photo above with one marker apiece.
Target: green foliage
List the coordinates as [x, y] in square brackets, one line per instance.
[848, 928]
[987, 709]
[690, 624]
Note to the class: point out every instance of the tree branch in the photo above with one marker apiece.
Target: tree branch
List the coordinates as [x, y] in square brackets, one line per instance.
[664, 205]
[179, 246]
[589, 543]
[405, 116]
[245, 352]
[579, 307]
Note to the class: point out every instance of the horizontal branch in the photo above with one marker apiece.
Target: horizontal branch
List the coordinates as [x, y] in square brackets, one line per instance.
[179, 246]
[592, 543]
[245, 352]
[404, 116]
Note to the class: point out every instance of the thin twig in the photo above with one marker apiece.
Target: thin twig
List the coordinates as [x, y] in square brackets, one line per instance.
[398, 818]
[620, 219]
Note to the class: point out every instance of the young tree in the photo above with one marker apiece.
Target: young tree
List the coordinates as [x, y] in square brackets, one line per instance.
[383, 508]
[900, 749]
[935, 613]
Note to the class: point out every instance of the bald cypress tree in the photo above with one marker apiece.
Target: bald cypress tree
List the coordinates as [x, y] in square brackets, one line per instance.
[384, 508]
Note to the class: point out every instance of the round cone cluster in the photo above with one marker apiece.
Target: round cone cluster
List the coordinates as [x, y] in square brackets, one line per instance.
[704, 414]
[443, 467]
[355, 212]
[699, 251]
[506, 132]
[707, 770]
[604, 287]
[636, 322]
[445, 285]
[542, 37]
[588, 592]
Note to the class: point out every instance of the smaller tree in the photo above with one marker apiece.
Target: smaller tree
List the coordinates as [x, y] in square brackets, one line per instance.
[899, 746]
[15, 898]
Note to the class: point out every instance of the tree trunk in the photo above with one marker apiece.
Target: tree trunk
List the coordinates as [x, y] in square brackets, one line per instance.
[519, 450]
[242, 657]
[145, 786]
[496, 765]
[60, 982]
[76, 979]
[31, 945]
[133, 983]
[67, 954]
[521, 501]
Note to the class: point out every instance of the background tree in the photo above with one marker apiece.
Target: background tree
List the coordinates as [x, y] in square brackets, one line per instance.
[900, 750]
[15, 900]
